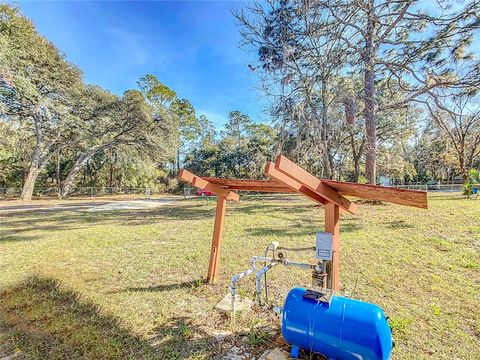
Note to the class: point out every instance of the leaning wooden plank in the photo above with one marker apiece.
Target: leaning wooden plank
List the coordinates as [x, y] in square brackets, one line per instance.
[381, 193]
[204, 184]
[293, 184]
[304, 177]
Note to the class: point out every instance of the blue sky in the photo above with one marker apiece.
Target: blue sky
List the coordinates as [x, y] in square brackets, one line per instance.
[192, 47]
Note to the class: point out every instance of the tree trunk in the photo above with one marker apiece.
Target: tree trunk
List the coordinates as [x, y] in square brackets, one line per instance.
[463, 168]
[57, 170]
[110, 177]
[57, 176]
[462, 163]
[331, 165]
[350, 118]
[357, 169]
[325, 134]
[39, 159]
[369, 111]
[356, 155]
[79, 164]
[178, 161]
[27, 190]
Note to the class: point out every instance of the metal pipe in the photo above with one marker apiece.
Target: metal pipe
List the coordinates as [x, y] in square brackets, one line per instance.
[262, 258]
[247, 272]
[296, 249]
[259, 280]
[298, 264]
[237, 277]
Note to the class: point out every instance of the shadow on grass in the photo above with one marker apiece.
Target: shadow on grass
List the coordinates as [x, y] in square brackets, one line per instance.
[399, 224]
[349, 227]
[15, 225]
[296, 230]
[41, 320]
[191, 285]
[44, 321]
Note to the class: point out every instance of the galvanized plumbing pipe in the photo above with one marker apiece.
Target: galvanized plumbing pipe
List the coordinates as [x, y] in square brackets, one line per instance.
[298, 264]
[259, 280]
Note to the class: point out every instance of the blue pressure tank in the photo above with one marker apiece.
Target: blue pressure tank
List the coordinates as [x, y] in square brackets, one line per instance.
[340, 329]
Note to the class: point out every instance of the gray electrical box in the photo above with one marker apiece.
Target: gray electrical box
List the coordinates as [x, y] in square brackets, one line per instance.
[324, 246]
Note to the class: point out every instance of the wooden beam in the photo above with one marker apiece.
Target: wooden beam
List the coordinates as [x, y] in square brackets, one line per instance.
[185, 175]
[304, 177]
[214, 263]
[332, 225]
[196, 181]
[381, 193]
[204, 184]
[231, 183]
[261, 189]
[292, 184]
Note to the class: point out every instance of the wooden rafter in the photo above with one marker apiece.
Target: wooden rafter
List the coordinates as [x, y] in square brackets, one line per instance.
[250, 185]
[381, 193]
[198, 182]
[294, 171]
[292, 184]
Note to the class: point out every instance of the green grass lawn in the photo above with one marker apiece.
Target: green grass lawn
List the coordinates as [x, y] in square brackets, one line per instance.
[129, 284]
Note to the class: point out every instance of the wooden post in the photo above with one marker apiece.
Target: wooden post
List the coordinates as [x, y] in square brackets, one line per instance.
[332, 225]
[217, 239]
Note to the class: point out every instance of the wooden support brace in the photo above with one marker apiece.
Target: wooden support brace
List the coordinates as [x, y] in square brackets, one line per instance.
[223, 195]
[214, 263]
[304, 177]
[198, 182]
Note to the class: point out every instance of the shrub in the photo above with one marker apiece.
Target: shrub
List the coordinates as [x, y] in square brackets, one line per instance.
[472, 179]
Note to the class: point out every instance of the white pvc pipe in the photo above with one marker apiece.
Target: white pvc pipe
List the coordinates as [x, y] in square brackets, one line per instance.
[237, 277]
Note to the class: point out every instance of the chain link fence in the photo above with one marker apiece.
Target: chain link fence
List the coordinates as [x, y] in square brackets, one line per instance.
[90, 191]
[432, 187]
[55, 192]
[189, 191]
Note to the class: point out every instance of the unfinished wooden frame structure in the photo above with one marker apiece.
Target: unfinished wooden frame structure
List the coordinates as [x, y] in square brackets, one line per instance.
[288, 177]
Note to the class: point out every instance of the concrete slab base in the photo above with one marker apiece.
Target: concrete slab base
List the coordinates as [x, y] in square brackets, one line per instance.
[275, 354]
[241, 304]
